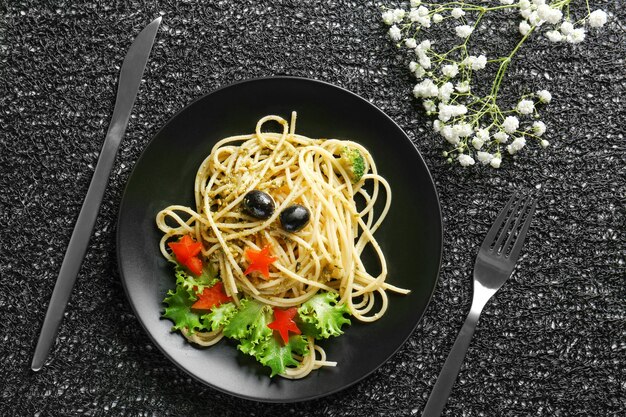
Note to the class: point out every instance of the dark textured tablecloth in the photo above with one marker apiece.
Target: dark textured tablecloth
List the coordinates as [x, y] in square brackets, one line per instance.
[551, 342]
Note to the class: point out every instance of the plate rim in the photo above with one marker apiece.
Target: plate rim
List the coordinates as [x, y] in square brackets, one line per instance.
[239, 83]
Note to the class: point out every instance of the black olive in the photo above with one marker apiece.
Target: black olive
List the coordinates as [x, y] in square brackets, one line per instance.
[258, 204]
[294, 218]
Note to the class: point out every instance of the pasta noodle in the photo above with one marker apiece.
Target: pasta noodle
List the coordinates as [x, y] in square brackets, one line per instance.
[326, 255]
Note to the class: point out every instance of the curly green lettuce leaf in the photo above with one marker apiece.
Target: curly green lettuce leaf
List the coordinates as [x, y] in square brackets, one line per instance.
[299, 344]
[179, 311]
[324, 311]
[308, 329]
[219, 316]
[249, 325]
[194, 284]
[276, 355]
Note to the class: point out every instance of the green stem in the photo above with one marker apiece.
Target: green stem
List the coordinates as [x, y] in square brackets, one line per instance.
[504, 65]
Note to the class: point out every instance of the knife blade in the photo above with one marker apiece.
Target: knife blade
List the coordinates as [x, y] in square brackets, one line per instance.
[128, 85]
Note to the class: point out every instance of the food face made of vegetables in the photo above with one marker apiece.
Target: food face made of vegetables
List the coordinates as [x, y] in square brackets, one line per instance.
[271, 256]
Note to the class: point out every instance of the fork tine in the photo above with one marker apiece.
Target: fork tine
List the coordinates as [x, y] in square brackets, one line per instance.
[515, 214]
[517, 246]
[513, 235]
[491, 235]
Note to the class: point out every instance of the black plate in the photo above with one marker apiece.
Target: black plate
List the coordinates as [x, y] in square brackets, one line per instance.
[411, 236]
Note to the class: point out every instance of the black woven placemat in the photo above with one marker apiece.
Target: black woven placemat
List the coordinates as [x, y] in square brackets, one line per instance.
[552, 341]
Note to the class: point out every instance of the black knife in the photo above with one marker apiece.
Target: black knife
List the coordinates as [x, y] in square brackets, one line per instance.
[130, 78]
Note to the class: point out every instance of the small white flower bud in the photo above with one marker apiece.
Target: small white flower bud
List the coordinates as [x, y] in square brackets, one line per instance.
[466, 160]
[544, 96]
[387, 17]
[463, 31]
[539, 128]
[524, 27]
[395, 33]
[597, 18]
[510, 124]
[457, 13]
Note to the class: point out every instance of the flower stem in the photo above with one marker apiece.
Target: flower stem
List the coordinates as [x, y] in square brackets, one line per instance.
[504, 65]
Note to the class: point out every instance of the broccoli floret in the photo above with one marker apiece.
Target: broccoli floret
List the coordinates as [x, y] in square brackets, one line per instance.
[353, 162]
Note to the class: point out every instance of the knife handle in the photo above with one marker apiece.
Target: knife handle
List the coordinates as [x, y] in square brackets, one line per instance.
[77, 247]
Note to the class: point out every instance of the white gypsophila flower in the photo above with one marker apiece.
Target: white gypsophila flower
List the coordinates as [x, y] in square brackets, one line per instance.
[544, 96]
[398, 15]
[517, 144]
[501, 137]
[413, 66]
[538, 3]
[445, 91]
[410, 43]
[387, 17]
[555, 36]
[525, 12]
[549, 14]
[463, 31]
[395, 33]
[424, 21]
[475, 62]
[416, 3]
[510, 124]
[566, 28]
[577, 36]
[479, 62]
[437, 125]
[462, 87]
[426, 88]
[524, 4]
[539, 128]
[450, 135]
[544, 143]
[437, 18]
[446, 112]
[423, 11]
[495, 162]
[429, 106]
[457, 13]
[424, 61]
[534, 19]
[484, 157]
[482, 134]
[524, 27]
[425, 45]
[477, 142]
[414, 15]
[419, 72]
[450, 70]
[597, 18]
[525, 107]
[462, 130]
[465, 160]
[459, 110]
[507, 1]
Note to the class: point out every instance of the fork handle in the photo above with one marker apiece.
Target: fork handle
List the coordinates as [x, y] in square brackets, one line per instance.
[447, 376]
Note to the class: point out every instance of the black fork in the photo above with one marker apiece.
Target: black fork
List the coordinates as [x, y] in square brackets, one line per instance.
[494, 264]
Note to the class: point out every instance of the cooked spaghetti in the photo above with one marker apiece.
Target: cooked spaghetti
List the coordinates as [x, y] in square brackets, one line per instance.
[323, 256]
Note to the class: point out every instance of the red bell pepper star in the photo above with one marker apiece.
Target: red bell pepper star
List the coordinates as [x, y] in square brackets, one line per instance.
[211, 297]
[283, 323]
[259, 261]
[185, 251]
